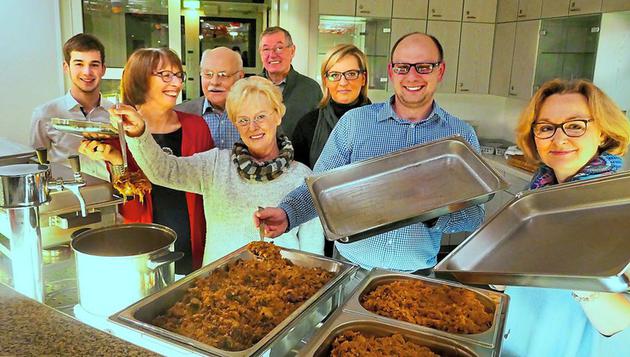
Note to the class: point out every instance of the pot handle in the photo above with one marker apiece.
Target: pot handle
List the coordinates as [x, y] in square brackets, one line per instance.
[78, 232]
[164, 259]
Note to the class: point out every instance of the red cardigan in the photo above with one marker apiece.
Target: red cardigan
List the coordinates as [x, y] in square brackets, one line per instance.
[196, 138]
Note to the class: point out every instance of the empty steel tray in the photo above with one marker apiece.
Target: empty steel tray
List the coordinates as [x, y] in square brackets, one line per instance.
[569, 236]
[140, 315]
[404, 187]
[490, 338]
[320, 345]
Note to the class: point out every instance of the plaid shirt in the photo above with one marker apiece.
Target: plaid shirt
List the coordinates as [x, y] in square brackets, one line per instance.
[376, 130]
[224, 133]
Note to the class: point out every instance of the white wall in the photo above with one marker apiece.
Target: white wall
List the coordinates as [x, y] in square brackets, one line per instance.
[294, 17]
[30, 62]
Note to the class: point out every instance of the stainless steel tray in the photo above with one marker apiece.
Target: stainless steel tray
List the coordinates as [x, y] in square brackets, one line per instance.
[570, 236]
[404, 187]
[80, 127]
[488, 339]
[321, 344]
[139, 315]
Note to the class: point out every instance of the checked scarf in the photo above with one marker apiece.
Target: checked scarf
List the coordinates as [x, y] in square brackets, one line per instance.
[249, 169]
[602, 165]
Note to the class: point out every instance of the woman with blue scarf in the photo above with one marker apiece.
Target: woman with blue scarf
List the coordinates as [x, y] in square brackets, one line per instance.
[576, 132]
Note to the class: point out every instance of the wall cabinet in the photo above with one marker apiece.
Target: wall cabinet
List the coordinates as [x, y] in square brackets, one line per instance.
[410, 9]
[402, 27]
[445, 10]
[581, 7]
[374, 8]
[475, 58]
[448, 34]
[480, 11]
[337, 7]
[506, 10]
[555, 8]
[502, 55]
[615, 5]
[529, 9]
[524, 59]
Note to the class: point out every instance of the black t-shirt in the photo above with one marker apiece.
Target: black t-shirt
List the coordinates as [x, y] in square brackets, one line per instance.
[169, 206]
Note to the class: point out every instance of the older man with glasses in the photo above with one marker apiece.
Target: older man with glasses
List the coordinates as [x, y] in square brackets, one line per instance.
[409, 118]
[300, 93]
[221, 67]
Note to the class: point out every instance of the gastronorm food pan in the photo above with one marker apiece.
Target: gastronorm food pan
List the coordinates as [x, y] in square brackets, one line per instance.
[140, 315]
[320, 345]
[80, 127]
[569, 236]
[490, 338]
[397, 189]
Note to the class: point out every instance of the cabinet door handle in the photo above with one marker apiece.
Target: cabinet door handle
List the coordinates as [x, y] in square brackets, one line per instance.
[364, 11]
[436, 15]
[522, 15]
[574, 9]
[512, 94]
[463, 90]
[471, 17]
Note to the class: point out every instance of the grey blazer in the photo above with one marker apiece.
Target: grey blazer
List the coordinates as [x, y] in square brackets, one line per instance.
[191, 106]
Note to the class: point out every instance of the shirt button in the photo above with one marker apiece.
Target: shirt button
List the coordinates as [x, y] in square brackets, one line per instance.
[389, 242]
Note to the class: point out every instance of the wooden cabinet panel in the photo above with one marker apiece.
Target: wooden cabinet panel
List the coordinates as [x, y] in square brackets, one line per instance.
[337, 7]
[402, 27]
[480, 11]
[374, 8]
[524, 60]
[555, 8]
[580, 7]
[502, 55]
[447, 33]
[615, 5]
[529, 10]
[507, 10]
[475, 58]
[410, 9]
[445, 10]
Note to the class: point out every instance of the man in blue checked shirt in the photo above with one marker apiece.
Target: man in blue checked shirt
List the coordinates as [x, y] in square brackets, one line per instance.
[410, 117]
[220, 69]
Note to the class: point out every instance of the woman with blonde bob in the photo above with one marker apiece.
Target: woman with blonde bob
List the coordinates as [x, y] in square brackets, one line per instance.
[258, 171]
[345, 82]
[576, 133]
[151, 81]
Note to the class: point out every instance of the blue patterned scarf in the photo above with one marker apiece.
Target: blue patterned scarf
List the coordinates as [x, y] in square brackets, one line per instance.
[602, 165]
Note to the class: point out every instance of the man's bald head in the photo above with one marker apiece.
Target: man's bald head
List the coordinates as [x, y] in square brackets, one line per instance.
[220, 69]
[419, 35]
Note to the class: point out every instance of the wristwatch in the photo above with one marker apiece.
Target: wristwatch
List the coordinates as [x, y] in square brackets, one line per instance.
[117, 170]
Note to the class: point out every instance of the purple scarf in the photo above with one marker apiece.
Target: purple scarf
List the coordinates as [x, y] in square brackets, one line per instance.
[602, 165]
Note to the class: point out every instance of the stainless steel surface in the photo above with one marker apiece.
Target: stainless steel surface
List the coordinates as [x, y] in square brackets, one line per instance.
[489, 339]
[408, 186]
[14, 153]
[569, 236]
[79, 127]
[140, 315]
[321, 344]
[119, 265]
[24, 185]
[261, 228]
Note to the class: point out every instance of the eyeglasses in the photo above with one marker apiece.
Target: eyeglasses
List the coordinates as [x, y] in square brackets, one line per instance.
[572, 128]
[421, 67]
[167, 76]
[244, 121]
[348, 75]
[220, 75]
[278, 49]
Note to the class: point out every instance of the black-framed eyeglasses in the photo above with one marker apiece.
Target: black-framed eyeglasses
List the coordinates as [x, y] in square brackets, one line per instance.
[572, 128]
[277, 49]
[421, 67]
[167, 76]
[349, 75]
[220, 75]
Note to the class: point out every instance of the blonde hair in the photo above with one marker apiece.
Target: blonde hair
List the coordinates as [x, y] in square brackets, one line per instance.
[134, 84]
[245, 88]
[604, 112]
[333, 56]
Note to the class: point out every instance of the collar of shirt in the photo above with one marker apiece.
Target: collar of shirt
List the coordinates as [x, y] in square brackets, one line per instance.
[387, 112]
[70, 104]
[207, 105]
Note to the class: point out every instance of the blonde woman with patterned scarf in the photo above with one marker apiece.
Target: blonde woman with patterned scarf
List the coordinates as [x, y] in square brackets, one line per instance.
[258, 171]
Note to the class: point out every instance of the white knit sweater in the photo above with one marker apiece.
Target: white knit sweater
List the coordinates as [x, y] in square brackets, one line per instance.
[229, 201]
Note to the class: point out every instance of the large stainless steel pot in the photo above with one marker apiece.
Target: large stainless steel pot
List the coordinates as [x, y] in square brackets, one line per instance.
[119, 265]
[24, 185]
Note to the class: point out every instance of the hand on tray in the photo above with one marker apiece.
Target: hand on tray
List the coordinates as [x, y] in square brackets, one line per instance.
[132, 121]
[275, 220]
[97, 150]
